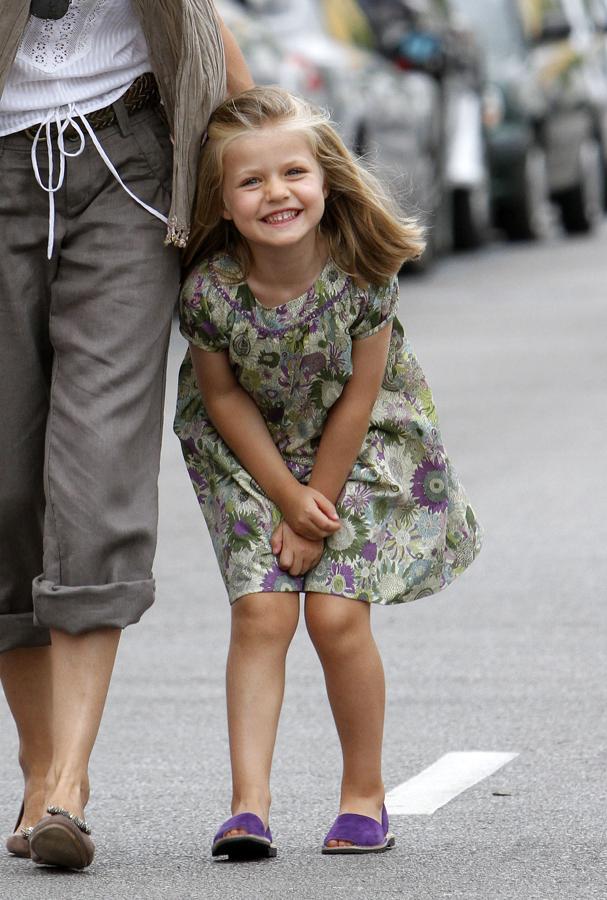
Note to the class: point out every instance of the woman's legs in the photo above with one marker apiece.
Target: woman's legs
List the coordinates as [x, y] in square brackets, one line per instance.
[340, 630]
[56, 695]
[81, 667]
[26, 679]
[263, 626]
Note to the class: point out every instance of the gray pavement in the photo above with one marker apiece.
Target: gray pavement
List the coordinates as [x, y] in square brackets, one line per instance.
[511, 658]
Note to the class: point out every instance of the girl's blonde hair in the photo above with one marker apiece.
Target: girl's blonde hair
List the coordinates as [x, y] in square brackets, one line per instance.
[366, 235]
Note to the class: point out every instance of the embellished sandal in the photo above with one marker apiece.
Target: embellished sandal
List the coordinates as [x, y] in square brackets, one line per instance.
[255, 844]
[364, 833]
[62, 839]
[18, 842]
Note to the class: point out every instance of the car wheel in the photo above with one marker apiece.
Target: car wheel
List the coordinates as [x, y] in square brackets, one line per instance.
[360, 146]
[582, 205]
[471, 216]
[528, 216]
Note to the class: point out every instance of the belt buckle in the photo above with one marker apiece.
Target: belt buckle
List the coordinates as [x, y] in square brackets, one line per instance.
[31, 133]
[70, 133]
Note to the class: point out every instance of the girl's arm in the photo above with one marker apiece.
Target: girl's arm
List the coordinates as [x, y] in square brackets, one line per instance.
[348, 420]
[241, 425]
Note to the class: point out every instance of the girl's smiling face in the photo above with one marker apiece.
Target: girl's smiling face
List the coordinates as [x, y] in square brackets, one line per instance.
[273, 189]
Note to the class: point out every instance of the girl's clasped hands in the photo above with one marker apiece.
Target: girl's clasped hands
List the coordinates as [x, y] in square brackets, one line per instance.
[308, 518]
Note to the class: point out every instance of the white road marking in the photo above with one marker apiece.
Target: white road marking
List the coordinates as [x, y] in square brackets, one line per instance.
[442, 781]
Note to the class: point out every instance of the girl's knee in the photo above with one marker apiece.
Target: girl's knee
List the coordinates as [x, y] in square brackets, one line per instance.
[336, 623]
[265, 617]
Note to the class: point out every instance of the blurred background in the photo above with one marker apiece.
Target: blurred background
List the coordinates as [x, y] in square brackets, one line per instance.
[487, 118]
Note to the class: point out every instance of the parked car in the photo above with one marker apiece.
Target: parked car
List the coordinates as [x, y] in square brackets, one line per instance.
[383, 116]
[546, 112]
[268, 60]
[423, 37]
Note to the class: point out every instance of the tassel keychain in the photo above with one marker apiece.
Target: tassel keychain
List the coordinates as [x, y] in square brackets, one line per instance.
[49, 9]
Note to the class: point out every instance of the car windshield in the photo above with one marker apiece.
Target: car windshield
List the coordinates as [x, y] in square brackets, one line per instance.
[496, 24]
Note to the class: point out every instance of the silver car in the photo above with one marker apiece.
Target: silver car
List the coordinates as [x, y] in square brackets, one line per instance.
[383, 114]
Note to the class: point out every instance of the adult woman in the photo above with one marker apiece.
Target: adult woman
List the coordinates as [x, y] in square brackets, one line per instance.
[86, 296]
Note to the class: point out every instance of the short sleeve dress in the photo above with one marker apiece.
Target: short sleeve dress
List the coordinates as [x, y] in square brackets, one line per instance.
[407, 528]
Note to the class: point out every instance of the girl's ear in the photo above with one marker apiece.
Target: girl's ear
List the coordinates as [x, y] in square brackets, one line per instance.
[325, 190]
[226, 214]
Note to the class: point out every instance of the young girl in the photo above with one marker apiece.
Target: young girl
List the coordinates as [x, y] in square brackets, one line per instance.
[311, 439]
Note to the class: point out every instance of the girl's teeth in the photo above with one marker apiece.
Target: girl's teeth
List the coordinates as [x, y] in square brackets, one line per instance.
[281, 217]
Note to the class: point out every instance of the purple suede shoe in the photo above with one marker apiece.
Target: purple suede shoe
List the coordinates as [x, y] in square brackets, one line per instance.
[255, 844]
[366, 835]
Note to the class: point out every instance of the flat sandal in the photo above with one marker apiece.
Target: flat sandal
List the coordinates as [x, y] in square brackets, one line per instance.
[62, 839]
[18, 842]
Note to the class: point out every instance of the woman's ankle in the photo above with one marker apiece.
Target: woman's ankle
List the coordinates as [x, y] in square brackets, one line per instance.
[34, 801]
[70, 791]
[35, 766]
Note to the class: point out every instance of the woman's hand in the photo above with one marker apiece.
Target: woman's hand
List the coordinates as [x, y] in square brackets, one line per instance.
[296, 555]
[308, 512]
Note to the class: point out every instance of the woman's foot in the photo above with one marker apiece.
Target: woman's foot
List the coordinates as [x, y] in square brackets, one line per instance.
[68, 792]
[34, 802]
[31, 811]
[62, 839]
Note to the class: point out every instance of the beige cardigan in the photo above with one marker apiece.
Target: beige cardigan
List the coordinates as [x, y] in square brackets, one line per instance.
[188, 60]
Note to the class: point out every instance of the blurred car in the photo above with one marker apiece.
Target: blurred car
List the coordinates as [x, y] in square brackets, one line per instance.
[382, 115]
[546, 112]
[269, 62]
[424, 37]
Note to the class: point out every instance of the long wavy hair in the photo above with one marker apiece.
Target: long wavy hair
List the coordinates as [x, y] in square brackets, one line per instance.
[367, 236]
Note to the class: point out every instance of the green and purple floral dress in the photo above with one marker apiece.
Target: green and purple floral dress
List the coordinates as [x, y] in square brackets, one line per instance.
[407, 527]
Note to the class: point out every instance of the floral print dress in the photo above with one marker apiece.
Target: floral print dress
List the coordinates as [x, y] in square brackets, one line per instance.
[407, 528]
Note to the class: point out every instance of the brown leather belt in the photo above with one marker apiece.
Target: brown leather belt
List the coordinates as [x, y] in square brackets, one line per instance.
[142, 93]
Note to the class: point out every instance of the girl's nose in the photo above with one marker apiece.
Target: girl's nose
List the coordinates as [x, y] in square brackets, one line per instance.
[276, 189]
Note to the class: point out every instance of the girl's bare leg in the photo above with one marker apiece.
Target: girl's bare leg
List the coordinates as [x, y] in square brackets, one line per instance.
[340, 630]
[26, 679]
[81, 667]
[263, 626]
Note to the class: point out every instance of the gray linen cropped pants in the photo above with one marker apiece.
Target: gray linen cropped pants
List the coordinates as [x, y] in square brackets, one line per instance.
[83, 342]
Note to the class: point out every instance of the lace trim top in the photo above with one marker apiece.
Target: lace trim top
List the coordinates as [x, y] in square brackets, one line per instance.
[89, 58]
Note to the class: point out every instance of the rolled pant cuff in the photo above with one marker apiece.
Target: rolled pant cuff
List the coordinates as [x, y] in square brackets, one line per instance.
[18, 630]
[89, 607]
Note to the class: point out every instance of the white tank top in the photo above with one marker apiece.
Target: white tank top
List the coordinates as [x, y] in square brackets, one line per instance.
[88, 58]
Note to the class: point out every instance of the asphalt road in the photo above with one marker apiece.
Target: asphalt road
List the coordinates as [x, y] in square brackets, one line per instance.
[511, 658]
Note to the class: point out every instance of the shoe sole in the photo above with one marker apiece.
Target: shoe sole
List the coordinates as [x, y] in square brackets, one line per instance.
[358, 849]
[243, 847]
[56, 845]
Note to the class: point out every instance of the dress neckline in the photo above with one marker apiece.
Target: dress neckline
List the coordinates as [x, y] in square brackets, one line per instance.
[330, 286]
[306, 295]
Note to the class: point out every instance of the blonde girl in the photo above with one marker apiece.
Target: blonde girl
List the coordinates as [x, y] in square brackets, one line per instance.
[311, 440]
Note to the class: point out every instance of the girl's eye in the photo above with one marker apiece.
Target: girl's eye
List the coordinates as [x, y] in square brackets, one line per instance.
[296, 170]
[249, 181]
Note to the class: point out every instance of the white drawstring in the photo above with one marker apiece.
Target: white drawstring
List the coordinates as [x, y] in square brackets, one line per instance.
[62, 123]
